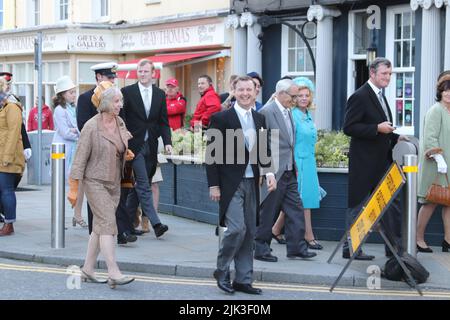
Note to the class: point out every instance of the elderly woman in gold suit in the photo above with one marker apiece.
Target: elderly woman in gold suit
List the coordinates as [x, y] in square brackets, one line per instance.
[99, 162]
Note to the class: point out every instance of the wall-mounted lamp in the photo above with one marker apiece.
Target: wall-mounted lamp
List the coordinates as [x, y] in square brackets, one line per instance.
[371, 54]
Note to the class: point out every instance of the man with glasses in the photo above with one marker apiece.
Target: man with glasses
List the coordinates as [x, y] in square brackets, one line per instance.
[280, 124]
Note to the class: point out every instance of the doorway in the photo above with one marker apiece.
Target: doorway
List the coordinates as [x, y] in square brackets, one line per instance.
[361, 73]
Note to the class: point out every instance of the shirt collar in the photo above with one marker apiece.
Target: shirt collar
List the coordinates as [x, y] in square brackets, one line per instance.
[374, 87]
[241, 111]
[280, 106]
[142, 88]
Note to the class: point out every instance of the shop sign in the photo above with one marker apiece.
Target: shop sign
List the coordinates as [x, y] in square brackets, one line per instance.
[180, 37]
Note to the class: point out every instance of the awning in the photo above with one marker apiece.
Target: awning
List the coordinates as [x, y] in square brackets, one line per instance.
[127, 69]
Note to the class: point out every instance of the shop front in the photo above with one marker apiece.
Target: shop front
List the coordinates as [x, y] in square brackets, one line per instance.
[185, 50]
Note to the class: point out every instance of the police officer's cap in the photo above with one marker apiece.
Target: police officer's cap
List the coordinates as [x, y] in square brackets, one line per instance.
[108, 69]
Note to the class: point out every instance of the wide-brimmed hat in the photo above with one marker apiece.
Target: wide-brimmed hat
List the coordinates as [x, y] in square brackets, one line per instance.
[63, 84]
[98, 91]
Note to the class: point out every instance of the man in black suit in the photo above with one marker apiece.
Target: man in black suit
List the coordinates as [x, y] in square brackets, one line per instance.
[145, 113]
[368, 121]
[234, 182]
[85, 111]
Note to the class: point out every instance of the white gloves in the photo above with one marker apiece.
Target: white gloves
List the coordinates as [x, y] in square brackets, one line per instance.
[27, 154]
[441, 165]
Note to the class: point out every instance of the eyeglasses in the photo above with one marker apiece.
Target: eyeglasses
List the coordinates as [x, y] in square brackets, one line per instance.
[293, 96]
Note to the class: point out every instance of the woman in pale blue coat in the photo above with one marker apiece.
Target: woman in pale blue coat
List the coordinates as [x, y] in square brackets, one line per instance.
[304, 153]
[64, 116]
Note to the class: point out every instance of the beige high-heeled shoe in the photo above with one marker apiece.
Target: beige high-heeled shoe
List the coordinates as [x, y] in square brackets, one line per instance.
[85, 277]
[119, 282]
[81, 222]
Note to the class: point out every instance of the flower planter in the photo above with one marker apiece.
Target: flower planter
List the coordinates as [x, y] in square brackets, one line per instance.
[185, 193]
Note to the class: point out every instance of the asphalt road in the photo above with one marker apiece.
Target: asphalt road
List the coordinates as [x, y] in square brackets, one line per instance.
[30, 281]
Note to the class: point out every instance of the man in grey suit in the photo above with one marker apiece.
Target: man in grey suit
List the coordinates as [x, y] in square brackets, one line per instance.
[280, 124]
[234, 180]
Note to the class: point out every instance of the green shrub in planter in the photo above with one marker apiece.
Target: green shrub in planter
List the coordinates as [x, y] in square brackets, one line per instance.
[332, 149]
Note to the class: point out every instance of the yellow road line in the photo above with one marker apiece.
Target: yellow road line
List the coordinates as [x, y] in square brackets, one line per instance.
[265, 285]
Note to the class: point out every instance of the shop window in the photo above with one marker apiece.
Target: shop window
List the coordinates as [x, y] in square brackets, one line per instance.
[296, 60]
[401, 48]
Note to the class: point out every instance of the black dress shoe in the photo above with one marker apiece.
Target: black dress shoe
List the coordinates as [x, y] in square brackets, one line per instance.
[426, 249]
[360, 256]
[223, 281]
[267, 258]
[304, 255]
[124, 238]
[246, 288]
[160, 229]
[137, 232]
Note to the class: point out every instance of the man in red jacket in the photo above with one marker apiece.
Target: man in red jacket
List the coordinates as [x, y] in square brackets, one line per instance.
[47, 117]
[208, 104]
[176, 104]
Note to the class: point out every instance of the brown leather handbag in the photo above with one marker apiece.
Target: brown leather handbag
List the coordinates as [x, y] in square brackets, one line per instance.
[128, 180]
[439, 194]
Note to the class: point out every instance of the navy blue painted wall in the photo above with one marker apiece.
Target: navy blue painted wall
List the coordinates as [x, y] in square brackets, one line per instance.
[271, 59]
[340, 61]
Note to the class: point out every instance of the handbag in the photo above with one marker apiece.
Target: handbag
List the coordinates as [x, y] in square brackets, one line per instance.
[439, 194]
[128, 179]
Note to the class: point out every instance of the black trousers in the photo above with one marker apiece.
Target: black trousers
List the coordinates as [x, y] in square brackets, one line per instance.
[124, 217]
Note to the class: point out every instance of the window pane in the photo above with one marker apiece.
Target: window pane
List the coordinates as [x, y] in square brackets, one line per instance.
[291, 60]
[399, 86]
[19, 72]
[406, 25]
[413, 53]
[85, 73]
[292, 36]
[54, 71]
[398, 26]
[397, 54]
[300, 60]
[361, 37]
[399, 111]
[309, 66]
[409, 78]
[406, 55]
[408, 112]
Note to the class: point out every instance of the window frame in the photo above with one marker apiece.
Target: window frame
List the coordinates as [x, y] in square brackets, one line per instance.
[285, 53]
[352, 57]
[390, 91]
[58, 5]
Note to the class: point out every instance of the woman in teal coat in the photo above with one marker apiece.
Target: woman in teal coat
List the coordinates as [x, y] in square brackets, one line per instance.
[435, 156]
[304, 153]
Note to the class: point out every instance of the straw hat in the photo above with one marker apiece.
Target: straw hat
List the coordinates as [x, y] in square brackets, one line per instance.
[98, 91]
[63, 84]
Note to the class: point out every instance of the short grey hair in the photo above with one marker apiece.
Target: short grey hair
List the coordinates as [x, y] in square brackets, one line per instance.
[106, 99]
[378, 62]
[284, 85]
